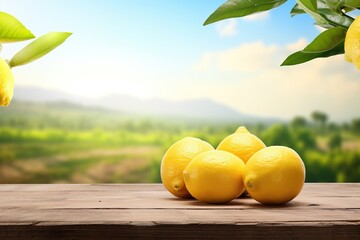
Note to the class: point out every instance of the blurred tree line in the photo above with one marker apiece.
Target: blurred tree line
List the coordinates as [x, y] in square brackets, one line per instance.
[321, 145]
[331, 151]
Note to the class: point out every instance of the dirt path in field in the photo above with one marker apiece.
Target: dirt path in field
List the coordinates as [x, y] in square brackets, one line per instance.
[351, 145]
[118, 171]
[132, 158]
[140, 150]
[136, 150]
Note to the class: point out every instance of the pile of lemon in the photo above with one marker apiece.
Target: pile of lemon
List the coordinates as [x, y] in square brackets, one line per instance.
[270, 175]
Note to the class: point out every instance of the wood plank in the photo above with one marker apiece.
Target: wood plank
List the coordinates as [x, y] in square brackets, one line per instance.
[155, 196]
[164, 231]
[321, 211]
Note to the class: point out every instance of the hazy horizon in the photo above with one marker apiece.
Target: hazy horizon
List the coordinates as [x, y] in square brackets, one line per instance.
[34, 94]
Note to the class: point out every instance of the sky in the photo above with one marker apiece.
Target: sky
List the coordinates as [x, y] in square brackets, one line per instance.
[160, 49]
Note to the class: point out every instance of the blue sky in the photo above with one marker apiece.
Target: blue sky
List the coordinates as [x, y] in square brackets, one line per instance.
[160, 49]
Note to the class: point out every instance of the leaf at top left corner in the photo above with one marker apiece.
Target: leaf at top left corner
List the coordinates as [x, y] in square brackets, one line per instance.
[12, 30]
[39, 47]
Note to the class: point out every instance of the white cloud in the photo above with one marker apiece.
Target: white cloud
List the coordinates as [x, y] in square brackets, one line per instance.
[296, 46]
[247, 57]
[253, 82]
[227, 28]
[257, 16]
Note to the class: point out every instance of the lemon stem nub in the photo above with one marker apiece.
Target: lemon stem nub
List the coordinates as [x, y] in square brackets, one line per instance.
[242, 129]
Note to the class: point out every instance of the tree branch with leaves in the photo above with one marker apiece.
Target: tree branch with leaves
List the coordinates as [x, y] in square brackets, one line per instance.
[12, 30]
[332, 15]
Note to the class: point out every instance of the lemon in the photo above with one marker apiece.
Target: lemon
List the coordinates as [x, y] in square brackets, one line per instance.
[352, 43]
[6, 83]
[176, 159]
[215, 177]
[242, 143]
[274, 175]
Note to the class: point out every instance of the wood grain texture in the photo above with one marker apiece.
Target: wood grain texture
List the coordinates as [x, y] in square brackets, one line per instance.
[140, 211]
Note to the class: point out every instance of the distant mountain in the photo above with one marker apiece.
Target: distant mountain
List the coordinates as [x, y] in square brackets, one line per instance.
[197, 108]
[187, 109]
[36, 94]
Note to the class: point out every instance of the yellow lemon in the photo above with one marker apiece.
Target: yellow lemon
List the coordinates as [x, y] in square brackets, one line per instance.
[176, 159]
[352, 43]
[6, 84]
[215, 177]
[274, 175]
[242, 143]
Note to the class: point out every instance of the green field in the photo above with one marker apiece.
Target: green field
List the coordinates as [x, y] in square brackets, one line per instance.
[47, 144]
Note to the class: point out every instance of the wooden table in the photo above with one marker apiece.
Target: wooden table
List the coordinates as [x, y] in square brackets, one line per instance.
[103, 211]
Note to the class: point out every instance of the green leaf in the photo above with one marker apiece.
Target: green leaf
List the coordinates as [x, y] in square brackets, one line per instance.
[333, 4]
[336, 19]
[302, 57]
[328, 43]
[39, 48]
[339, 5]
[326, 40]
[324, 15]
[352, 3]
[310, 7]
[333, 18]
[309, 4]
[240, 8]
[296, 10]
[12, 30]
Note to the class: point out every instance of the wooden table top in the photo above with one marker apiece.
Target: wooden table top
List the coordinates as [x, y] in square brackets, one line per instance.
[103, 211]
